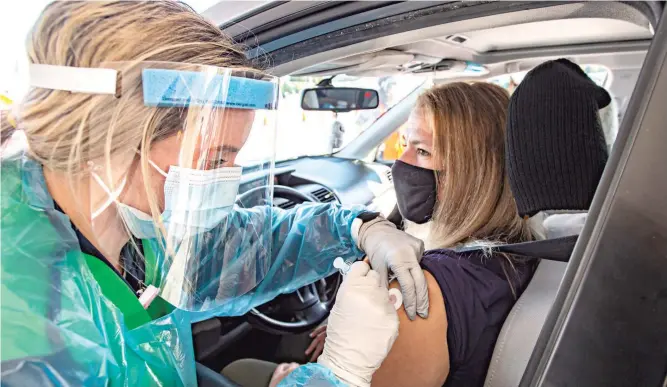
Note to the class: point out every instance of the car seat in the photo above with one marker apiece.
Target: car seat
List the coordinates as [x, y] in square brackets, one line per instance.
[524, 323]
[553, 83]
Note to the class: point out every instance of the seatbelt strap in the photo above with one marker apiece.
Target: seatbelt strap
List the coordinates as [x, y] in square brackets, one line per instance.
[557, 249]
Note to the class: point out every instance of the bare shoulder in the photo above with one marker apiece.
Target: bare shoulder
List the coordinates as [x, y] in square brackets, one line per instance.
[420, 355]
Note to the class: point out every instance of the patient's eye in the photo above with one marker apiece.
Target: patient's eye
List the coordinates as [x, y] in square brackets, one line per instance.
[423, 152]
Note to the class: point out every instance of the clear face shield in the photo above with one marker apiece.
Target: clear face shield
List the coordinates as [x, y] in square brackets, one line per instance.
[162, 177]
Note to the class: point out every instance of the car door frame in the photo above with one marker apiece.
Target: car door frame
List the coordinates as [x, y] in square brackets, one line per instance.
[608, 324]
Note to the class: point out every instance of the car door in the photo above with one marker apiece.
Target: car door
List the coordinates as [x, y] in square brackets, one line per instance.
[608, 325]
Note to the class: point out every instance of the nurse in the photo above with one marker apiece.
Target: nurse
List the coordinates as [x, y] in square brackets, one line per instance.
[119, 223]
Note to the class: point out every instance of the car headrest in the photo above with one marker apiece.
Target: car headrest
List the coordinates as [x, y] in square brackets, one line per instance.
[555, 144]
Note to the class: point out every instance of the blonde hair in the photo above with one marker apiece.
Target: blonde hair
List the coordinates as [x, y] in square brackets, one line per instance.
[474, 203]
[67, 131]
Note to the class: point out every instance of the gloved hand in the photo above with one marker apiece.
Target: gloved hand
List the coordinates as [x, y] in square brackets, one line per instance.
[363, 326]
[387, 249]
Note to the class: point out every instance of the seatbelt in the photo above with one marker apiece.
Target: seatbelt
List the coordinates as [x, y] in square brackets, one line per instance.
[557, 249]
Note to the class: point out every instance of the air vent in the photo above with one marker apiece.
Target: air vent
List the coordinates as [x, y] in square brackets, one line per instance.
[324, 195]
[389, 176]
[286, 204]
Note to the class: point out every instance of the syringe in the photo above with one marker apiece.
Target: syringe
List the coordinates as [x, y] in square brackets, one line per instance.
[395, 295]
[342, 266]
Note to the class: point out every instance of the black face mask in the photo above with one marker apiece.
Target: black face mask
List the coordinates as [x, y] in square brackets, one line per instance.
[415, 191]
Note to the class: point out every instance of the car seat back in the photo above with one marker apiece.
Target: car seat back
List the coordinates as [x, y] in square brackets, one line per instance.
[524, 323]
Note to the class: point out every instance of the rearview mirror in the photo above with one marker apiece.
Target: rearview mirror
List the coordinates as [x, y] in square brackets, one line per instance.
[339, 99]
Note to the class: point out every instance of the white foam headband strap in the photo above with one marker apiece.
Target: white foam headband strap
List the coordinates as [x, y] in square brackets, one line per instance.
[74, 79]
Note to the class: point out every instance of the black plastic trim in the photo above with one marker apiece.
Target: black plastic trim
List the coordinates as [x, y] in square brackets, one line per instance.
[254, 12]
[219, 342]
[313, 16]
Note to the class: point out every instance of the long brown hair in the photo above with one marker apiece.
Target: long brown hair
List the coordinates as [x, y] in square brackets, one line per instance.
[474, 203]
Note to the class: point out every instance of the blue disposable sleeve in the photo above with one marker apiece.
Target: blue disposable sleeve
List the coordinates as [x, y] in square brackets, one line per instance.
[303, 243]
[311, 375]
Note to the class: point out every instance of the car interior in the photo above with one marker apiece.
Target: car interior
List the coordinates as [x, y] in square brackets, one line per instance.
[412, 45]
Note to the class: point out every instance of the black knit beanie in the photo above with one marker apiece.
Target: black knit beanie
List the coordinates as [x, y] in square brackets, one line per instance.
[556, 150]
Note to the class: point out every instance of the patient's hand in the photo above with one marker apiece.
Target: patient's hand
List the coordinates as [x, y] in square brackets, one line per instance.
[420, 356]
[319, 335]
[281, 371]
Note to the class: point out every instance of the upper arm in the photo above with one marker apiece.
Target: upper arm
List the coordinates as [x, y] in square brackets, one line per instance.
[420, 356]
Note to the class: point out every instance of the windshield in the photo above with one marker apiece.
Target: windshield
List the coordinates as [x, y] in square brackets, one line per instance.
[313, 133]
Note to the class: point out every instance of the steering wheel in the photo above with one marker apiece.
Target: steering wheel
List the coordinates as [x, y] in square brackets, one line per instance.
[307, 307]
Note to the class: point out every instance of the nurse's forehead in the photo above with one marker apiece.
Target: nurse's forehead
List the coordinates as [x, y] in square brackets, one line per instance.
[232, 116]
[226, 124]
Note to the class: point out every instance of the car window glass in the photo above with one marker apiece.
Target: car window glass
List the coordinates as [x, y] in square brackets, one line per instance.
[598, 73]
[313, 133]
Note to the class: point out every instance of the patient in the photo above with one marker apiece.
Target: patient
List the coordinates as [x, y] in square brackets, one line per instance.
[453, 192]
[469, 295]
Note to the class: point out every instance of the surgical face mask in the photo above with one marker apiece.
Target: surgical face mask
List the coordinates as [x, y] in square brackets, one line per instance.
[415, 191]
[195, 202]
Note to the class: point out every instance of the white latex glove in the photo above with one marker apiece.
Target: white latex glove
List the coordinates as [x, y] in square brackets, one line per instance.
[362, 327]
[387, 249]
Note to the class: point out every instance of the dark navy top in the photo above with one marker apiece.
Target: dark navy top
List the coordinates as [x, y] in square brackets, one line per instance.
[478, 298]
[134, 266]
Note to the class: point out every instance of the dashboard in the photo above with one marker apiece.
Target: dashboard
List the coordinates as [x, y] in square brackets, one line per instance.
[330, 179]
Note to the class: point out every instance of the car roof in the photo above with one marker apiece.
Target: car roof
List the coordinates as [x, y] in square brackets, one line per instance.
[323, 38]
[367, 38]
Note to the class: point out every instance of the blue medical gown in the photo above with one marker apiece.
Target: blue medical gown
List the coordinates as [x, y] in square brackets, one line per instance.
[57, 327]
[255, 254]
